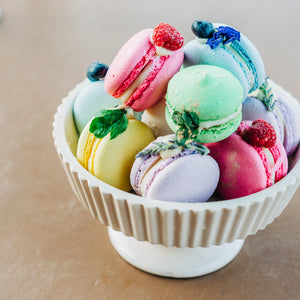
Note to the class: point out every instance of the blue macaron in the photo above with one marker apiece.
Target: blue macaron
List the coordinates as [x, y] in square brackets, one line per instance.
[225, 47]
[90, 101]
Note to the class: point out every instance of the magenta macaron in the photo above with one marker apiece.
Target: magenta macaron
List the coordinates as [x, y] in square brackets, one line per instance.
[164, 171]
[140, 72]
[246, 167]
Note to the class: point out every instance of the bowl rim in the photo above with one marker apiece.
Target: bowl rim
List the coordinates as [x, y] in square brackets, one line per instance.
[63, 149]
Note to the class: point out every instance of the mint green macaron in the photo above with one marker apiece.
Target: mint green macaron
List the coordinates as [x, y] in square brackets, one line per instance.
[204, 103]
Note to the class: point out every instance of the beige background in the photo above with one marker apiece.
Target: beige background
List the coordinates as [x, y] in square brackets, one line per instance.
[50, 248]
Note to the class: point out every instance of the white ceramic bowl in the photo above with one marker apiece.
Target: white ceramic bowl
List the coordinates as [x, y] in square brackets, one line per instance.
[168, 224]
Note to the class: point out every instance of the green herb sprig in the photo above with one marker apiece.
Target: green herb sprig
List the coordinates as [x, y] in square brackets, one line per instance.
[188, 126]
[265, 94]
[113, 121]
[158, 147]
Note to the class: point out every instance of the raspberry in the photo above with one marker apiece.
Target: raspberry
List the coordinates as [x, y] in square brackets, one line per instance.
[166, 36]
[259, 134]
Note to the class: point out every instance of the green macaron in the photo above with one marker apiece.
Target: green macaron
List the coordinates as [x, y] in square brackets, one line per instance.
[203, 103]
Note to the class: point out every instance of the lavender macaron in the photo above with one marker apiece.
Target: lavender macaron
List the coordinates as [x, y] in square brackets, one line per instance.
[276, 106]
[166, 171]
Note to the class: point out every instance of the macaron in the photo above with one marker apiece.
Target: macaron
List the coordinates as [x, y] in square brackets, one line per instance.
[250, 160]
[155, 118]
[290, 110]
[223, 46]
[165, 171]
[92, 98]
[110, 159]
[90, 101]
[278, 107]
[140, 72]
[203, 103]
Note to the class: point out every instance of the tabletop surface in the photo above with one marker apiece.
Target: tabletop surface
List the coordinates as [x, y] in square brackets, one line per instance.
[50, 247]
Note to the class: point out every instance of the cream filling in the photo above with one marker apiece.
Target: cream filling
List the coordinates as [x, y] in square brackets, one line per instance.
[136, 83]
[209, 124]
[161, 51]
[144, 181]
[270, 159]
[93, 153]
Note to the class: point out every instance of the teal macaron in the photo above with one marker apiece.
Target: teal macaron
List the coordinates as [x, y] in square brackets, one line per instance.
[225, 47]
[203, 103]
[90, 101]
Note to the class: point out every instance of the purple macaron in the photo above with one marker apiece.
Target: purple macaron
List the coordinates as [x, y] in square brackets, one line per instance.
[166, 171]
[276, 106]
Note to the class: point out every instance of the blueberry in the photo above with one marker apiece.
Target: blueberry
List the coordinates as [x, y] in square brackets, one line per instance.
[96, 71]
[203, 29]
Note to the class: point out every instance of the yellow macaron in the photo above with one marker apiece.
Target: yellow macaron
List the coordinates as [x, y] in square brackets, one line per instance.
[111, 160]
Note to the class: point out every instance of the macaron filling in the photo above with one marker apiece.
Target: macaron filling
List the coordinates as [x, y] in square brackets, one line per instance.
[135, 72]
[208, 124]
[88, 149]
[144, 167]
[267, 164]
[160, 51]
[155, 65]
[273, 163]
[141, 76]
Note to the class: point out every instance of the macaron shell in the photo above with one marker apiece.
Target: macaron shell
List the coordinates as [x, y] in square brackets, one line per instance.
[290, 109]
[81, 146]
[211, 92]
[291, 127]
[198, 53]
[126, 59]
[114, 159]
[154, 117]
[90, 101]
[241, 170]
[250, 52]
[158, 86]
[111, 160]
[191, 178]
[224, 56]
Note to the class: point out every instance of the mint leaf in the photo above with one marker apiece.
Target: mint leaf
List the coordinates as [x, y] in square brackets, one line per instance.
[188, 126]
[177, 118]
[119, 127]
[112, 121]
[191, 120]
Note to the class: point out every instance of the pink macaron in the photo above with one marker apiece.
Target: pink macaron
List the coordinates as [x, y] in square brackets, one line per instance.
[140, 72]
[250, 160]
[166, 171]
